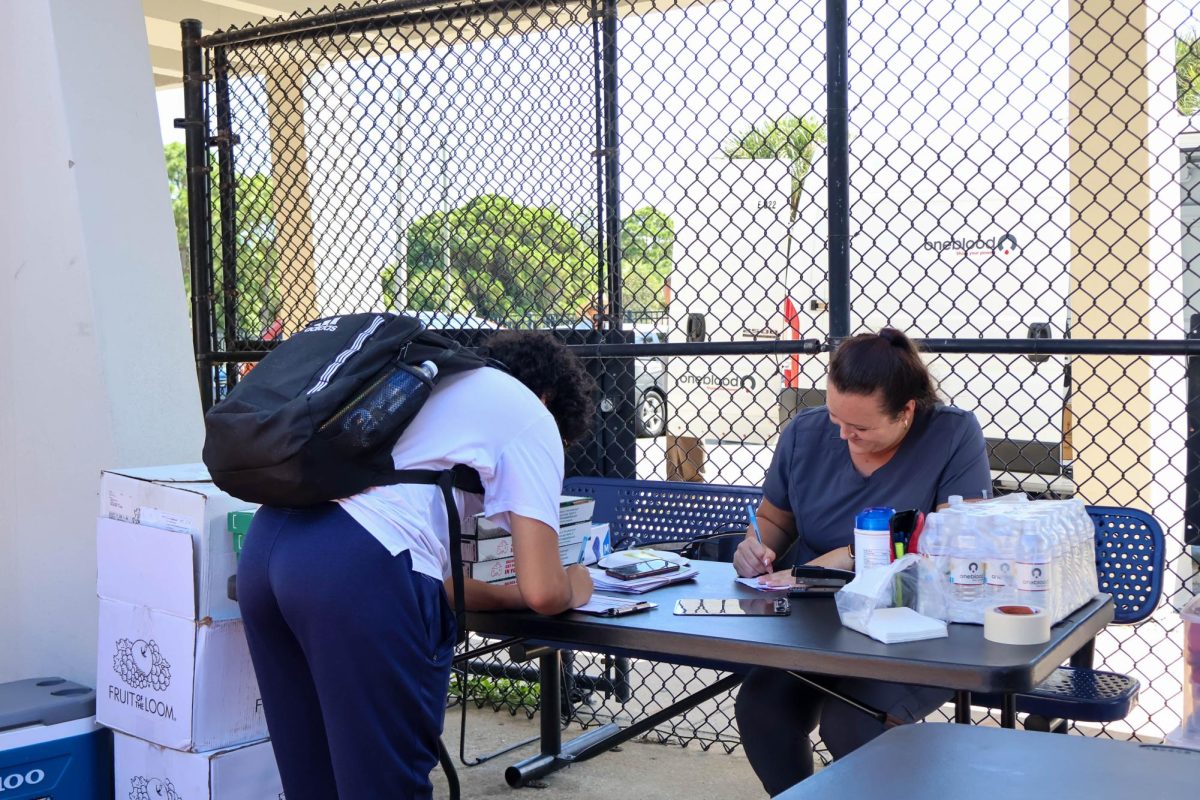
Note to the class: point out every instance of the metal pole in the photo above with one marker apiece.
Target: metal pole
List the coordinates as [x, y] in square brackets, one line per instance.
[601, 217]
[1191, 478]
[612, 166]
[838, 120]
[227, 199]
[195, 126]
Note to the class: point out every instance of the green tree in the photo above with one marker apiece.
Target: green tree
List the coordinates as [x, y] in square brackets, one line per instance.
[647, 242]
[495, 258]
[177, 183]
[257, 292]
[789, 138]
[1187, 72]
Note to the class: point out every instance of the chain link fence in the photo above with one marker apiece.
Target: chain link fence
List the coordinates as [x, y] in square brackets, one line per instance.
[704, 197]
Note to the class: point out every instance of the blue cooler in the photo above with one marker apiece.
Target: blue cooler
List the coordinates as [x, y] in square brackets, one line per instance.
[50, 745]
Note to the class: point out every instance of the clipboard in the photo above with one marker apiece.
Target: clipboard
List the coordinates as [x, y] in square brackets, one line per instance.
[602, 606]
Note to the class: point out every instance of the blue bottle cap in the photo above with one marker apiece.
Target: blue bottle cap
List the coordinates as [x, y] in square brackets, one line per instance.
[875, 518]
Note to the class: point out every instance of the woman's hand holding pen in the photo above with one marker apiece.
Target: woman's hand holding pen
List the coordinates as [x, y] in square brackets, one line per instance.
[770, 531]
[753, 558]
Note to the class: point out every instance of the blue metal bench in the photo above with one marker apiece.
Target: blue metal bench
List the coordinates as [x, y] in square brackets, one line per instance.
[1129, 560]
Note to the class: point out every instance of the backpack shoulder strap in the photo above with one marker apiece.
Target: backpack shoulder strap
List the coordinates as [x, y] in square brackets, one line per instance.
[465, 479]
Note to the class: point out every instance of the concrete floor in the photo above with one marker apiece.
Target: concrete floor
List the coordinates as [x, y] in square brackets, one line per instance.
[646, 770]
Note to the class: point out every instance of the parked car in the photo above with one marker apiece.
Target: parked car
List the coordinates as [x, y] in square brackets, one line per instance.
[650, 383]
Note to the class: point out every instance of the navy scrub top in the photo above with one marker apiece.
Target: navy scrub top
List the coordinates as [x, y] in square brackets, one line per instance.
[811, 475]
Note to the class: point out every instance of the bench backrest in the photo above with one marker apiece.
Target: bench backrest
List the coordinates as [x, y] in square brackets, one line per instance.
[1129, 560]
[667, 511]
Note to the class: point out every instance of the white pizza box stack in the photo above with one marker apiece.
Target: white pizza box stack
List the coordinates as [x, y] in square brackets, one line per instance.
[487, 547]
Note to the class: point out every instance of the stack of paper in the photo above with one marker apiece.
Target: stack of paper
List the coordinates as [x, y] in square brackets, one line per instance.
[604, 583]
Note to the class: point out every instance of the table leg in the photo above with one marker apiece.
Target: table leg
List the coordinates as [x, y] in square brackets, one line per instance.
[1008, 710]
[555, 755]
[551, 701]
[962, 708]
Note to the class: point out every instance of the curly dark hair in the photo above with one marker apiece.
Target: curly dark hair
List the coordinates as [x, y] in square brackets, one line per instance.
[552, 372]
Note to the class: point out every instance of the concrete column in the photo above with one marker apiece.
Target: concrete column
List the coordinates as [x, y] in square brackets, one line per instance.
[1122, 166]
[287, 128]
[95, 347]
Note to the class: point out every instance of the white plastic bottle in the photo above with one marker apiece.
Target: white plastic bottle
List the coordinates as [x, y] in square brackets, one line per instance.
[1034, 566]
[1087, 540]
[968, 570]
[933, 582]
[429, 368]
[872, 538]
[1001, 559]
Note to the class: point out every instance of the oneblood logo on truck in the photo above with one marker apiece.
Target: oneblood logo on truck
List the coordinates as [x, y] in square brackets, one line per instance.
[1005, 245]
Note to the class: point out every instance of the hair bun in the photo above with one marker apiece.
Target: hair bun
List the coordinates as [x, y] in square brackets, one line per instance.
[892, 336]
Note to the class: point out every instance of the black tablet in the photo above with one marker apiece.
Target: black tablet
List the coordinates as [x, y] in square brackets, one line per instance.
[734, 607]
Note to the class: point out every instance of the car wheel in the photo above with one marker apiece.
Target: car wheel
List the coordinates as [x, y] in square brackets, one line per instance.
[651, 418]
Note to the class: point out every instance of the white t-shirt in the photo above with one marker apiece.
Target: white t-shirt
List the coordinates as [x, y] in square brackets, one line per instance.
[485, 419]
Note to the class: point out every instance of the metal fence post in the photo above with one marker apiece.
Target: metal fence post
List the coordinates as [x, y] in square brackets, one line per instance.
[227, 199]
[195, 126]
[838, 120]
[1191, 510]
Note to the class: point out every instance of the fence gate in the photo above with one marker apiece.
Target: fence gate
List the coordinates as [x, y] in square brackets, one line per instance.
[704, 198]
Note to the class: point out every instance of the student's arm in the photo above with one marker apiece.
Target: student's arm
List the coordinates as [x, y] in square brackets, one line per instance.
[543, 585]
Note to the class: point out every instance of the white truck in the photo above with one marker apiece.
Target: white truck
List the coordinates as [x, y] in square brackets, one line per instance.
[934, 268]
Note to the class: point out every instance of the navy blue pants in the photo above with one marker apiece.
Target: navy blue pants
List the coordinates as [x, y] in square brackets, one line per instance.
[352, 650]
[776, 715]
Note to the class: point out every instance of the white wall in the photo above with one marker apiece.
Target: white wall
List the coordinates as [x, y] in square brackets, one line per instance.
[95, 350]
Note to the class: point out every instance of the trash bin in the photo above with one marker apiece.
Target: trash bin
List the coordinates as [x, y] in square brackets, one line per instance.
[51, 747]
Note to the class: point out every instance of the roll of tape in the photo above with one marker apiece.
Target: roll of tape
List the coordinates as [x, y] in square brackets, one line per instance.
[1016, 625]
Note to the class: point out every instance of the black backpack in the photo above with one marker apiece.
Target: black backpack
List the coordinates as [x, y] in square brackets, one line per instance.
[316, 419]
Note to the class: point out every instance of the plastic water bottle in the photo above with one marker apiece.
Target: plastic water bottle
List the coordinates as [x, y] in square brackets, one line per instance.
[872, 538]
[1001, 557]
[1034, 566]
[1087, 538]
[933, 581]
[374, 418]
[967, 569]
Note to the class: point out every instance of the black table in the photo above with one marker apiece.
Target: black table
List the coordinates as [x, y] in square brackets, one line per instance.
[811, 639]
[934, 759]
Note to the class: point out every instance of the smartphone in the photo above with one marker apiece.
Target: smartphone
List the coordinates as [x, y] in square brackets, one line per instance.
[641, 569]
[738, 607]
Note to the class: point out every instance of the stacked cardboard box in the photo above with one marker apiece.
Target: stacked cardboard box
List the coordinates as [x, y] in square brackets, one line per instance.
[487, 548]
[174, 677]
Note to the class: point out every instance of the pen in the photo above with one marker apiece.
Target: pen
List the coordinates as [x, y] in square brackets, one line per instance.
[644, 605]
[754, 525]
[582, 549]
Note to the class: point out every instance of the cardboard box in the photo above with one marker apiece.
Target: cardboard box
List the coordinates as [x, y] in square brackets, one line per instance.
[176, 682]
[486, 549]
[145, 771]
[480, 527]
[498, 569]
[573, 524]
[574, 533]
[175, 499]
[572, 510]
[494, 547]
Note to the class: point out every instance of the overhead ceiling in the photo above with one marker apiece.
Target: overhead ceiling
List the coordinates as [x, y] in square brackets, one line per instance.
[162, 25]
